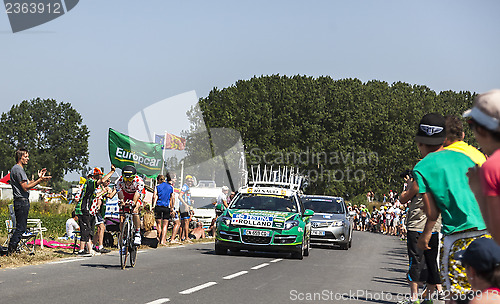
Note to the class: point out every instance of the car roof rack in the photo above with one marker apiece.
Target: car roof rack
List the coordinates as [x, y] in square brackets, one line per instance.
[283, 177]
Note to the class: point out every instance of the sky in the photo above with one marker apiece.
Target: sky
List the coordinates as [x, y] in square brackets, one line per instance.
[113, 59]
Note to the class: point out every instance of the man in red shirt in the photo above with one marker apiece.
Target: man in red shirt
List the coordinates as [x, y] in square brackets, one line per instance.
[484, 120]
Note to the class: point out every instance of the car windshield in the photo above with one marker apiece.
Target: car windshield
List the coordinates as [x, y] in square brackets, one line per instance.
[324, 205]
[261, 202]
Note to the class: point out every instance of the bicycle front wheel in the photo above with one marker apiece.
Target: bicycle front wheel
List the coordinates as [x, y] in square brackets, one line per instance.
[123, 245]
[133, 254]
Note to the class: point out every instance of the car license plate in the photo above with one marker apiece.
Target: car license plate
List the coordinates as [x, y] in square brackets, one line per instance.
[256, 232]
[317, 232]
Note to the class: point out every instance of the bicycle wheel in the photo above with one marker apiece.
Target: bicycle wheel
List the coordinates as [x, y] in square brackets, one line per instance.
[123, 245]
[133, 254]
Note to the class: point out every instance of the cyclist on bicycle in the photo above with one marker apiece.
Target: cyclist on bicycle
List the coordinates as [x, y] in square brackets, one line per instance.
[130, 188]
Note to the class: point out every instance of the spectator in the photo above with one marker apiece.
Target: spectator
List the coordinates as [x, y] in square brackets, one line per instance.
[186, 208]
[163, 205]
[418, 258]
[222, 201]
[83, 208]
[103, 194]
[198, 232]
[150, 232]
[482, 265]
[454, 140]
[20, 186]
[441, 180]
[485, 182]
[72, 225]
[175, 215]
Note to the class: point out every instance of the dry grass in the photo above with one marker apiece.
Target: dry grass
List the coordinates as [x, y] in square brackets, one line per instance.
[52, 254]
[41, 256]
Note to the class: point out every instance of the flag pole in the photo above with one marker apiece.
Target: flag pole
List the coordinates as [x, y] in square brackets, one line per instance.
[163, 153]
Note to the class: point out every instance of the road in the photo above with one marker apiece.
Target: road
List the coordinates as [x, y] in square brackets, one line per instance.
[372, 271]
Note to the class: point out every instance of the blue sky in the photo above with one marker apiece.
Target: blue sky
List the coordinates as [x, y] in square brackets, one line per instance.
[111, 59]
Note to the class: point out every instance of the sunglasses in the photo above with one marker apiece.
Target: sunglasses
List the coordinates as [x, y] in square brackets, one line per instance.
[128, 179]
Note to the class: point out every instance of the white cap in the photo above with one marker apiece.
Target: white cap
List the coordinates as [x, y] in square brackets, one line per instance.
[486, 110]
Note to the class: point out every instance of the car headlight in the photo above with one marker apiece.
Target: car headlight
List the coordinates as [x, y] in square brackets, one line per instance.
[225, 219]
[337, 224]
[290, 224]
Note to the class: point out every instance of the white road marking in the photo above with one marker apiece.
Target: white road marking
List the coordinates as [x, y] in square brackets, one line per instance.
[181, 246]
[276, 261]
[69, 261]
[159, 301]
[260, 266]
[234, 275]
[197, 288]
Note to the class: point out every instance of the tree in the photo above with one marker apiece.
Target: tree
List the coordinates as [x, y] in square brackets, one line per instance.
[52, 132]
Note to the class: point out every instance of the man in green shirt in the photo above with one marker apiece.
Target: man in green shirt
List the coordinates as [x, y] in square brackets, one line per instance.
[442, 181]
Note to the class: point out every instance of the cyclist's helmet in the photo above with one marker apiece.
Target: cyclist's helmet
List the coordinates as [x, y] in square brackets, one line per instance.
[128, 173]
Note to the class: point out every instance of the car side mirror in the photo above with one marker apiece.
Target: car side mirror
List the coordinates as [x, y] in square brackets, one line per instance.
[308, 212]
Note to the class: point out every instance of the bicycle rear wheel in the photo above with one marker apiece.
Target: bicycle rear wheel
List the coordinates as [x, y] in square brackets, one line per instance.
[123, 245]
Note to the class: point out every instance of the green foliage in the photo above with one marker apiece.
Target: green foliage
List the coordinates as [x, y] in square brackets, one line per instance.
[53, 216]
[348, 136]
[52, 132]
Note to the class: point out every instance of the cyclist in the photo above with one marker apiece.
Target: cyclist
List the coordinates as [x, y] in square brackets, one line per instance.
[130, 188]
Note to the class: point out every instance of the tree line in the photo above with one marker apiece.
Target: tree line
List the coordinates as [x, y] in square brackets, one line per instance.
[349, 137]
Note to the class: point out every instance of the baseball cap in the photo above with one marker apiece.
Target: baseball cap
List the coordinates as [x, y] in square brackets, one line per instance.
[483, 254]
[431, 129]
[486, 110]
[225, 188]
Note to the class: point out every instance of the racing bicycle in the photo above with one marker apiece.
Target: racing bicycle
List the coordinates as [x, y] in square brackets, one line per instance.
[126, 239]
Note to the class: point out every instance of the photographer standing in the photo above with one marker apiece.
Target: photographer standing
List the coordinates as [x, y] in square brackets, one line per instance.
[20, 186]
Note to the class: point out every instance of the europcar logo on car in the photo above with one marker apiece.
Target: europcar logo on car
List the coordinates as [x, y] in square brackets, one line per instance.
[26, 14]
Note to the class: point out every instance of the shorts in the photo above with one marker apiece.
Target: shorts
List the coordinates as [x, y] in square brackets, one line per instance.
[84, 223]
[423, 265]
[185, 215]
[453, 273]
[162, 213]
[218, 212]
[98, 219]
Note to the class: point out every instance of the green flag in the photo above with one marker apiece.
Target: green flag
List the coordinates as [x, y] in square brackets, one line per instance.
[124, 150]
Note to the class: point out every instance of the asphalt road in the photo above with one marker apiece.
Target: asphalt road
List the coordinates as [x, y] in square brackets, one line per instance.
[372, 271]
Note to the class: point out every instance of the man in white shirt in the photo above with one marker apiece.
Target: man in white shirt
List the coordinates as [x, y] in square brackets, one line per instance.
[222, 200]
[72, 225]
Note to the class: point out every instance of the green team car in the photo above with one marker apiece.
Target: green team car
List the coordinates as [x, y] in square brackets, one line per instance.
[266, 215]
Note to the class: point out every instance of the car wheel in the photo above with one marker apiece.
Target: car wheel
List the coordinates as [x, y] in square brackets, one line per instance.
[350, 243]
[344, 246]
[220, 250]
[298, 255]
